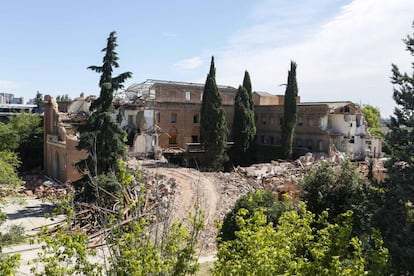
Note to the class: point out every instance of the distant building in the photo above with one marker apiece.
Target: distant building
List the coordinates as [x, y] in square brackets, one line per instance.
[10, 106]
[7, 98]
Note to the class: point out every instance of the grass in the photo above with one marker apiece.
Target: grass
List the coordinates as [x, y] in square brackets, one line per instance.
[14, 235]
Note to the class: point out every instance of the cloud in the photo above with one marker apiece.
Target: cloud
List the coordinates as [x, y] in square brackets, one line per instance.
[189, 64]
[342, 53]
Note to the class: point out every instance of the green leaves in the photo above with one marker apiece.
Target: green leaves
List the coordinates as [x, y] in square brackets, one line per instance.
[213, 126]
[289, 114]
[101, 136]
[244, 126]
[296, 247]
[372, 116]
[394, 218]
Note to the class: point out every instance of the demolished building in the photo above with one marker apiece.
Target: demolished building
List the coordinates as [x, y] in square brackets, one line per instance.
[322, 127]
[165, 115]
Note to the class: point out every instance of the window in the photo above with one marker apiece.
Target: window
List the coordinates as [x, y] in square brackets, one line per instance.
[196, 119]
[264, 119]
[187, 96]
[173, 118]
[172, 140]
[263, 139]
[194, 139]
[320, 145]
[158, 117]
[309, 144]
[310, 122]
[272, 120]
[300, 121]
[271, 140]
[281, 120]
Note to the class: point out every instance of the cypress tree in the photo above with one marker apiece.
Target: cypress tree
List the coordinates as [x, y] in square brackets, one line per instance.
[396, 216]
[244, 127]
[213, 126]
[248, 85]
[101, 136]
[289, 114]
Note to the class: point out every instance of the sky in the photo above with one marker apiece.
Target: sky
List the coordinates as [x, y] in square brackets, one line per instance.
[344, 49]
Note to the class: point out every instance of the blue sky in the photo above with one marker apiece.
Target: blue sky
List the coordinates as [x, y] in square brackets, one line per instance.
[344, 49]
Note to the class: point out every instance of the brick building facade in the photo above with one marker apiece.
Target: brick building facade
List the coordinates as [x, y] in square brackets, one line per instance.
[159, 115]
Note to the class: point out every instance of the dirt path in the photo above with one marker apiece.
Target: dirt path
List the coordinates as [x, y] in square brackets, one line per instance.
[194, 188]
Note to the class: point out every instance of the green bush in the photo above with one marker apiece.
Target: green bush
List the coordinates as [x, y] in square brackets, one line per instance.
[252, 202]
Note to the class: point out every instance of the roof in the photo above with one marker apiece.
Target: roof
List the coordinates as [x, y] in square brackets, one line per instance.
[150, 82]
[18, 106]
[329, 104]
[265, 94]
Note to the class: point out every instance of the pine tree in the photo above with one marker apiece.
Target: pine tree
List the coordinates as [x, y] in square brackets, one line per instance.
[213, 126]
[101, 136]
[244, 127]
[396, 219]
[289, 115]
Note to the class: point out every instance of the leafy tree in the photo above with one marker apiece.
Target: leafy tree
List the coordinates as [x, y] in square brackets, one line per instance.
[101, 136]
[29, 130]
[372, 116]
[296, 247]
[65, 253]
[213, 126]
[289, 114]
[19, 130]
[251, 202]
[338, 192]
[244, 128]
[63, 98]
[396, 218]
[22, 136]
[38, 100]
[9, 179]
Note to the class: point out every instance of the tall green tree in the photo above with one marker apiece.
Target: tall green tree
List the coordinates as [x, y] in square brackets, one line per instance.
[248, 85]
[213, 125]
[101, 136]
[244, 128]
[289, 114]
[396, 218]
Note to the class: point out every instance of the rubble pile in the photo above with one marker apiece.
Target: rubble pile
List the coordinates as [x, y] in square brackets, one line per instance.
[159, 194]
[378, 169]
[41, 186]
[280, 177]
